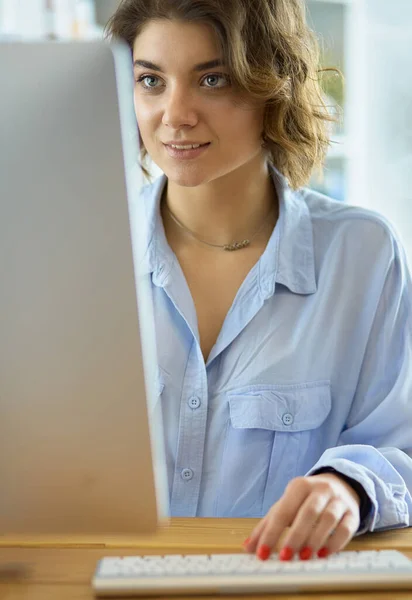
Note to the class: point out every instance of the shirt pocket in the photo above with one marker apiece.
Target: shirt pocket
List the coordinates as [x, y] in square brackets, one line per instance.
[273, 432]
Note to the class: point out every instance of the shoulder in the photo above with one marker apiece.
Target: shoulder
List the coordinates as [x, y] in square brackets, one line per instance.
[355, 228]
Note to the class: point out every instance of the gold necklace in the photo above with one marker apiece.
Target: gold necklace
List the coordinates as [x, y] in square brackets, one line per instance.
[228, 247]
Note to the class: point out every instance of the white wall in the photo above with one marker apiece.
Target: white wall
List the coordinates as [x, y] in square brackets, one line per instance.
[382, 171]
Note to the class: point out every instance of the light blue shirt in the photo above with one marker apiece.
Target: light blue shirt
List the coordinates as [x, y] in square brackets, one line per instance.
[312, 367]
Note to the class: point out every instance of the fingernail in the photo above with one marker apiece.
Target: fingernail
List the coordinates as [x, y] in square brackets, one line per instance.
[305, 553]
[263, 552]
[323, 553]
[246, 542]
[286, 553]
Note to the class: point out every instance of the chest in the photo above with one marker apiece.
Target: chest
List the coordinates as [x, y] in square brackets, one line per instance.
[214, 282]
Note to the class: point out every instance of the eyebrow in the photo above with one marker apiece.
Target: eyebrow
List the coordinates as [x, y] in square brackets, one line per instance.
[211, 64]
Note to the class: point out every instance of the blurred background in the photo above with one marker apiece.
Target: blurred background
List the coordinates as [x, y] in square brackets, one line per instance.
[370, 158]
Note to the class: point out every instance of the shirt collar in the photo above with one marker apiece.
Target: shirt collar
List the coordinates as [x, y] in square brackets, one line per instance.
[289, 255]
[157, 257]
[288, 258]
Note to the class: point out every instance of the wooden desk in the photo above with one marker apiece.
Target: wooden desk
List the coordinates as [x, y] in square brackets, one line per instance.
[45, 570]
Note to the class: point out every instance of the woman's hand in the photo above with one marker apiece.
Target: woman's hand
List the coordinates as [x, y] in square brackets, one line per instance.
[322, 512]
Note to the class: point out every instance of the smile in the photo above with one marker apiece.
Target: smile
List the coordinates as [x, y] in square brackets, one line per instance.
[187, 151]
[188, 147]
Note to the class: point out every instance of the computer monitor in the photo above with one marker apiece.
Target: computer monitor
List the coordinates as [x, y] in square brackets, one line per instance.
[80, 438]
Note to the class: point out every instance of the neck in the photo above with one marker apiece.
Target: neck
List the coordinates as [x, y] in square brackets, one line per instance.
[226, 209]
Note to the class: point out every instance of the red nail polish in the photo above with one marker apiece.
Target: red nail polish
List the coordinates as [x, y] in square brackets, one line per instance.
[247, 541]
[263, 552]
[286, 553]
[323, 553]
[305, 553]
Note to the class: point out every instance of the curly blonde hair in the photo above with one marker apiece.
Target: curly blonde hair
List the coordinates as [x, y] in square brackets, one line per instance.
[272, 56]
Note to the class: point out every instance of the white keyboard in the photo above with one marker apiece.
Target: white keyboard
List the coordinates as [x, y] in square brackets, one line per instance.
[244, 573]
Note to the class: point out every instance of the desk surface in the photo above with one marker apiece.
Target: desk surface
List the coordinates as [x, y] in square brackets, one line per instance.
[43, 569]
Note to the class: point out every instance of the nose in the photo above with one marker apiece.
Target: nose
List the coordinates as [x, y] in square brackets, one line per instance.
[179, 109]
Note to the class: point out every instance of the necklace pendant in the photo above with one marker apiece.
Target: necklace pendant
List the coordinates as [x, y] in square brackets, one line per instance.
[236, 246]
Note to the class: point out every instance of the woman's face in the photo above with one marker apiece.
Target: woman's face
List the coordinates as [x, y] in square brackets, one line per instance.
[181, 100]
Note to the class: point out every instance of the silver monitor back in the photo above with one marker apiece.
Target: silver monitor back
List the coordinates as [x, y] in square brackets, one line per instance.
[76, 449]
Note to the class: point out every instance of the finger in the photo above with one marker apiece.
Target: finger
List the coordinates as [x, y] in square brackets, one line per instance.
[251, 542]
[328, 522]
[344, 532]
[307, 519]
[282, 514]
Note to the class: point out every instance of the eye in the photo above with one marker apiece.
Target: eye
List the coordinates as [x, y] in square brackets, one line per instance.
[213, 80]
[148, 82]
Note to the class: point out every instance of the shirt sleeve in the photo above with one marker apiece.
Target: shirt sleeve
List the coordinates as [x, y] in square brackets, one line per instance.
[375, 446]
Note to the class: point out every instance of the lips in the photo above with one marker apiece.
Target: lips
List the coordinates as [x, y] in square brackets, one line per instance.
[189, 154]
[172, 144]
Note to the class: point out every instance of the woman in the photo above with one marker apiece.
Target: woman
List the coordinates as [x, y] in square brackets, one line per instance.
[283, 317]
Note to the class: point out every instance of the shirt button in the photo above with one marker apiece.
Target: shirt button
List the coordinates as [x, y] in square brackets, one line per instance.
[287, 419]
[187, 474]
[194, 402]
